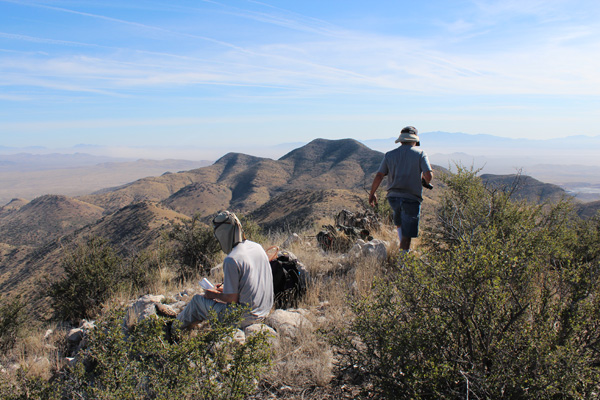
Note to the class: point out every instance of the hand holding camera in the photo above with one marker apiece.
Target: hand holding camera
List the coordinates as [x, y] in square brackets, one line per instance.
[425, 184]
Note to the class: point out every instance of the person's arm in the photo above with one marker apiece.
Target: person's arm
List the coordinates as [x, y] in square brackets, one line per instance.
[230, 282]
[376, 182]
[428, 176]
[217, 294]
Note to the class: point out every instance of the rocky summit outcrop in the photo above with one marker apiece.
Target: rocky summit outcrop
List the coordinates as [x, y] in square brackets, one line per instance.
[279, 324]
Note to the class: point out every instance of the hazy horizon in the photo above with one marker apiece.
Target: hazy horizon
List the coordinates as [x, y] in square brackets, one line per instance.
[560, 162]
[560, 151]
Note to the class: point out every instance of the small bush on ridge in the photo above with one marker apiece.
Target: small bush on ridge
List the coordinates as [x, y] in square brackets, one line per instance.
[196, 248]
[147, 363]
[93, 272]
[13, 318]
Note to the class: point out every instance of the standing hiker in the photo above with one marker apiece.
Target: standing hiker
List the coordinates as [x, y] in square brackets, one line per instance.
[407, 169]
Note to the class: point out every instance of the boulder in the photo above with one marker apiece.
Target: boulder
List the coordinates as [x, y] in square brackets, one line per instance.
[288, 323]
[375, 248]
[75, 335]
[239, 337]
[141, 309]
[273, 336]
[292, 239]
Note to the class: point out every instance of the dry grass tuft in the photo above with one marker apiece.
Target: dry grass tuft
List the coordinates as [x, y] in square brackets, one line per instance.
[336, 280]
[302, 361]
[40, 352]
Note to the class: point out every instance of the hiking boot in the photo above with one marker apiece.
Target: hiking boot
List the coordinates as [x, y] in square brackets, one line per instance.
[165, 311]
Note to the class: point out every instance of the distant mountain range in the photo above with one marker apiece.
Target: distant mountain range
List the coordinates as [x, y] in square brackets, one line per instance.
[570, 162]
[491, 145]
[571, 149]
[299, 189]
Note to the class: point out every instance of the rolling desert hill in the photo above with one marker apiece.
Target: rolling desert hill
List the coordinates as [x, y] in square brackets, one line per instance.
[12, 205]
[26, 270]
[201, 198]
[527, 188]
[44, 219]
[134, 227]
[588, 210]
[299, 208]
[325, 164]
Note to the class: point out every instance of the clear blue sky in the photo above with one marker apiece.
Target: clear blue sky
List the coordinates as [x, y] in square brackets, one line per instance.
[211, 73]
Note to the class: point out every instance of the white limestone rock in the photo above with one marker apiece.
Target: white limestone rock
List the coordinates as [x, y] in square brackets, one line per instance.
[272, 335]
[291, 240]
[142, 308]
[288, 323]
[375, 248]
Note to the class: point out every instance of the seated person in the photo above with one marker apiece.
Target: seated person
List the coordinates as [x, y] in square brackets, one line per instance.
[247, 278]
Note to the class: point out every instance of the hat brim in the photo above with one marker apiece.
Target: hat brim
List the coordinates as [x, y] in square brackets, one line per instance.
[408, 141]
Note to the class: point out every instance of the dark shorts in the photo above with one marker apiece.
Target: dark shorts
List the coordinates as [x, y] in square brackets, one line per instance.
[406, 215]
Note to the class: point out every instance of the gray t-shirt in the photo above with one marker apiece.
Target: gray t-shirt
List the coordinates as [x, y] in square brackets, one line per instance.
[403, 167]
[248, 272]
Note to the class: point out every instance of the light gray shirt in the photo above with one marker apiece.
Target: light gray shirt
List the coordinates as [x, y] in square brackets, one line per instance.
[403, 167]
[248, 272]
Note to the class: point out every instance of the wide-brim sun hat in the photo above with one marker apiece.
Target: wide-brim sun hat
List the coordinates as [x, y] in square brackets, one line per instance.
[409, 134]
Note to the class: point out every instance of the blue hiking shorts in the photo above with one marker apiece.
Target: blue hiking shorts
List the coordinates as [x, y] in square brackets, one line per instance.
[406, 215]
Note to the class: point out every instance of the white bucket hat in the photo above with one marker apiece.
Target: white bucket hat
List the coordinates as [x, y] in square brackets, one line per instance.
[409, 134]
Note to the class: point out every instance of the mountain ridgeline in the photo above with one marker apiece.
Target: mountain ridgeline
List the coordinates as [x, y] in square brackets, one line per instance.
[307, 184]
[244, 183]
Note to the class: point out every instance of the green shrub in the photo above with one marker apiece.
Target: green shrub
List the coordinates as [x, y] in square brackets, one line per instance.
[145, 364]
[140, 271]
[504, 304]
[92, 273]
[21, 386]
[383, 209]
[252, 230]
[13, 318]
[196, 248]
[148, 363]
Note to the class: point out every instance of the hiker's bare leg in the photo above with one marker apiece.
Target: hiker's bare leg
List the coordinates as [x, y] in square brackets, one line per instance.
[405, 243]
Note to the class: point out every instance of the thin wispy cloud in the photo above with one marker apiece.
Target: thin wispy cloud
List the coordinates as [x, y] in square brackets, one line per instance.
[285, 18]
[251, 56]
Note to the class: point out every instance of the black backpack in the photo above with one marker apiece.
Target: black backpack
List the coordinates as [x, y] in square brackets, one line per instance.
[289, 280]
